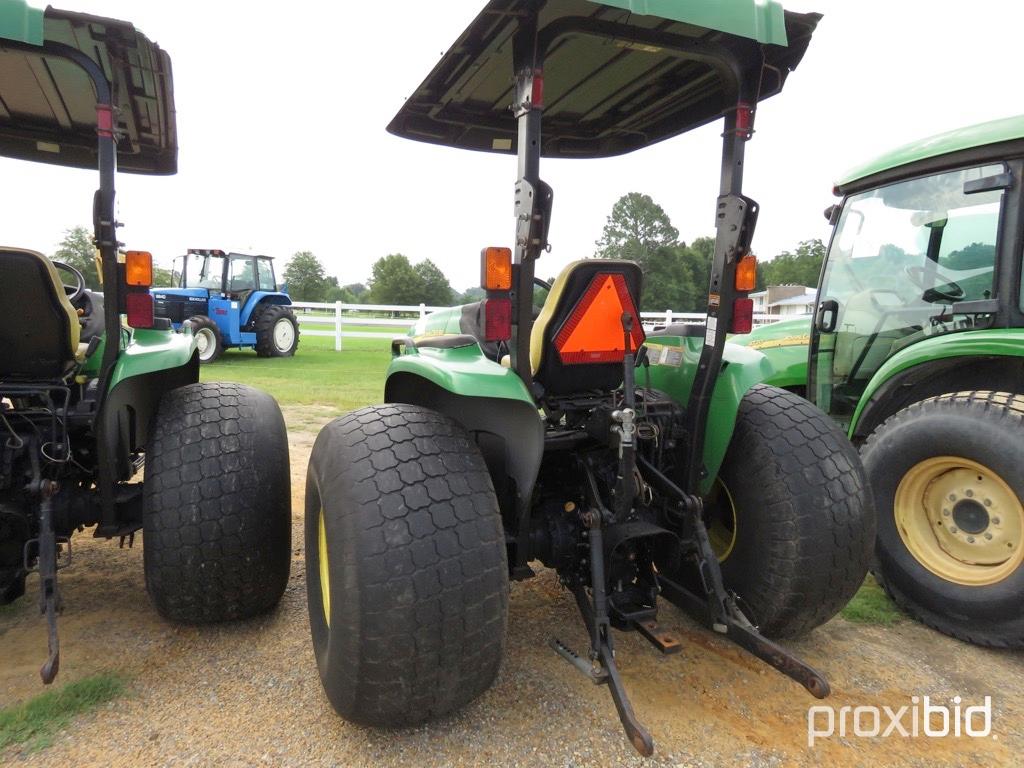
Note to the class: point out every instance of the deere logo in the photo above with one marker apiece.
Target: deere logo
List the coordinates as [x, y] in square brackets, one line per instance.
[788, 341]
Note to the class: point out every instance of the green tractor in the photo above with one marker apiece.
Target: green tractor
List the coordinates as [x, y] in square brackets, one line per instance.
[88, 401]
[635, 467]
[917, 349]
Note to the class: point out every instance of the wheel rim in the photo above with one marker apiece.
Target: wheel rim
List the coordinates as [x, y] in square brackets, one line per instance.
[722, 521]
[284, 334]
[325, 577]
[205, 343]
[960, 520]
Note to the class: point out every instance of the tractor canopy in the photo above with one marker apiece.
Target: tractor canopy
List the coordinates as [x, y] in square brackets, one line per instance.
[48, 103]
[618, 75]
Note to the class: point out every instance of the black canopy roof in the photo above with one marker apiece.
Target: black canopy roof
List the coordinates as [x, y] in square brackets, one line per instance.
[48, 104]
[614, 81]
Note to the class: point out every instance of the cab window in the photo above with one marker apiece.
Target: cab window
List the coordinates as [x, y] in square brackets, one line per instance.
[241, 277]
[266, 275]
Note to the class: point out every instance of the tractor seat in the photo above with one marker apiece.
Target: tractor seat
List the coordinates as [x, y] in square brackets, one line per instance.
[40, 334]
[577, 340]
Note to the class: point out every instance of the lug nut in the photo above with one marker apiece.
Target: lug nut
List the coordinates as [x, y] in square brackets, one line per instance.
[969, 493]
[988, 502]
[945, 512]
[970, 539]
[988, 536]
[995, 521]
[952, 497]
[952, 529]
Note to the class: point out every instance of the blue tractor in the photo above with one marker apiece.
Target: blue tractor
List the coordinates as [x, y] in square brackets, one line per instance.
[231, 300]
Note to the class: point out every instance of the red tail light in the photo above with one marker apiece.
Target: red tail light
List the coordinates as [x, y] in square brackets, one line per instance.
[537, 97]
[742, 316]
[139, 307]
[497, 319]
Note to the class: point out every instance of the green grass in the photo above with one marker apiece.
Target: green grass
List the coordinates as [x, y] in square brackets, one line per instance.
[872, 606]
[317, 374]
[35, 721]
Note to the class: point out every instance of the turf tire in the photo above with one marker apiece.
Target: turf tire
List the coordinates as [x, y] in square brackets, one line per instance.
[216, 504]
[417, 576]
[804, 518]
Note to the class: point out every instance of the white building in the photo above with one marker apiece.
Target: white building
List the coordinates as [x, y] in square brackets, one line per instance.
[784, 300]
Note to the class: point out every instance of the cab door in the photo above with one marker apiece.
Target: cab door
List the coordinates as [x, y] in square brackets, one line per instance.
[907, 261]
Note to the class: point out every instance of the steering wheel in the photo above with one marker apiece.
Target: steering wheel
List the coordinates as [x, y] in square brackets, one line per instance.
[542, 283]
[952, 292]
[73, 292]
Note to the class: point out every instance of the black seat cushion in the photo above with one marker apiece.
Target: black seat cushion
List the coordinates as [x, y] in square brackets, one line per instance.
[35, 339]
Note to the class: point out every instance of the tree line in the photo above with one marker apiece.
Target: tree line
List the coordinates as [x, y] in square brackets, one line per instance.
[638, 229]
[677, 274]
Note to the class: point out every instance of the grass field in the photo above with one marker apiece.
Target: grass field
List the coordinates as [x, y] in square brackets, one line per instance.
[316, 375]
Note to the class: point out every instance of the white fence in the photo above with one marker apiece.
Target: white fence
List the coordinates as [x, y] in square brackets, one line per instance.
[350, 320]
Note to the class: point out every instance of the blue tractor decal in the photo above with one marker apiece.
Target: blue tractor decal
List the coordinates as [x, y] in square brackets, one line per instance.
[231, 300]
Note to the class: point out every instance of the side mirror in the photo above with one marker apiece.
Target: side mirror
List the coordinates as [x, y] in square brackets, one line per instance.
[832, 214]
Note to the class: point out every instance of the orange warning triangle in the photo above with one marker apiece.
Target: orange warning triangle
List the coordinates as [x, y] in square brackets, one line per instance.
[600, 328]
[593, 331]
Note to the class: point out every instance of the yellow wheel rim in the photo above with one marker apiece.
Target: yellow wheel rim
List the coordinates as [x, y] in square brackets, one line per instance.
[325, 573]
[722, 522]
[960, 520]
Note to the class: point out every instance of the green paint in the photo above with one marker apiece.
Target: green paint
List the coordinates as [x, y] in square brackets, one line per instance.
[21, 22]
[995, 342]
[151, 351]
[143, 351]
[742, 368]
[785, 346]
[463, 371]
[993, 132]
[763, 21]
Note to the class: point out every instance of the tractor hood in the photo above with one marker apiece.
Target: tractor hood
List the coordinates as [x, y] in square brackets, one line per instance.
[618, 75]
[48, 103]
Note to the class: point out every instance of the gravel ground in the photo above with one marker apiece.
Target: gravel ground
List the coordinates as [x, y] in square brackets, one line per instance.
[248, 694]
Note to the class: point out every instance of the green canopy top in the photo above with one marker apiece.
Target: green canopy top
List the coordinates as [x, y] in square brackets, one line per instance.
[762, 21]
[21, 22]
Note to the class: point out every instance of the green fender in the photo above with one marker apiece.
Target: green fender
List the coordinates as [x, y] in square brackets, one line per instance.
[490, 401]
[151, 351]
[673, 365]
[785, 344]
[151, 363]
[993, 342]
[463, 371]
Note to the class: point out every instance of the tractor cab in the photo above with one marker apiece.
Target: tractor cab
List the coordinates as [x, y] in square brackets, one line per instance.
[919, 251]
[226, 297]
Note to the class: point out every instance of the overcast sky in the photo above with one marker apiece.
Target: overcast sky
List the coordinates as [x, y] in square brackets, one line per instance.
[282, 110]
